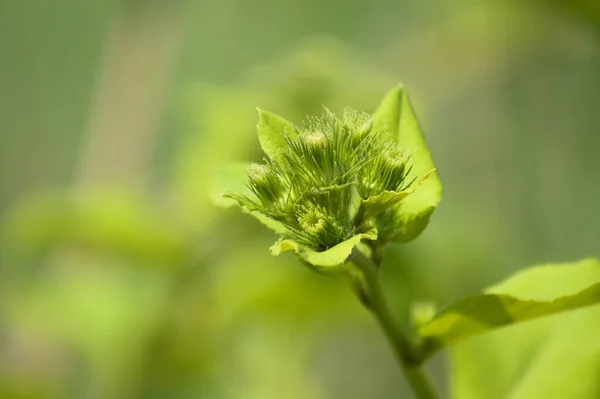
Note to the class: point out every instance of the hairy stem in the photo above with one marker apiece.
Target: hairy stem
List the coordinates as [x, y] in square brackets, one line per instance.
[408, 353]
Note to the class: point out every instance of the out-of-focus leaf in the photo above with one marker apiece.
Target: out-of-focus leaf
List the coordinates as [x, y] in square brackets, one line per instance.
[532, 293]
[230, 178]
[332, 257]
[220, 118]
[272, 130]
[102, 310]
[104, 222]
[214, 138]
[396, 116]
[552, 357]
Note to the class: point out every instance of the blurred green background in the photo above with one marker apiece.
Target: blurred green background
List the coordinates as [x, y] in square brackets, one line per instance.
[119, 279]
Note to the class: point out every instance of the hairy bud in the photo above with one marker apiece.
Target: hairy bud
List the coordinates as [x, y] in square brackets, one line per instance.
[317, 184]
[264, 183]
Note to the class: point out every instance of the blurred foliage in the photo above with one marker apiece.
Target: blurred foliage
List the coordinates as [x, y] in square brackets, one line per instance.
[585, 9]
[532, 293]
[320, 73]
[182, 347]
[551, 357]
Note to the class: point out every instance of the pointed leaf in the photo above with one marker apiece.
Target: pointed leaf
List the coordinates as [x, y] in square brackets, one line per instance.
[388, 199]
[379, 203]
[408, 224]
[271, 132]
[332, 257]
[396, 116]
[530, 294]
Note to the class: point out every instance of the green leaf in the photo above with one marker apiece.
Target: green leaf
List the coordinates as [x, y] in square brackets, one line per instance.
[552, 357]
[379, 203]
[332, 257]
[106, 221]
[396, 116]
[387, 199]
[530, 294]
[272, 130]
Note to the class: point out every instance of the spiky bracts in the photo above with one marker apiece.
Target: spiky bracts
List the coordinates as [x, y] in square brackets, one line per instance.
[317, 184]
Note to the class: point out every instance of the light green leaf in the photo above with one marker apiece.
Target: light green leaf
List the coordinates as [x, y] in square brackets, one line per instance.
[387, 199]
[530, 294]
[408, 225]
[332, 257]
[272, 130]
[111, 222]
[379, 203]
[396, 116]
[552, 357]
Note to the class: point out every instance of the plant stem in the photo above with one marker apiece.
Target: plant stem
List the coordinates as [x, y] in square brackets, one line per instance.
[407, 352]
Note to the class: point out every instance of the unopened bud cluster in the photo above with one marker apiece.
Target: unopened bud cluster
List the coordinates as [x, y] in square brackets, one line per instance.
[316, 186]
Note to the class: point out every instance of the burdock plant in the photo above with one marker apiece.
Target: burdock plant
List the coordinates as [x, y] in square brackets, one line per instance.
[339, 189]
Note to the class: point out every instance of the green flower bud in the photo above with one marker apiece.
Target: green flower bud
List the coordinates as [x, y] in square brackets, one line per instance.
[316, 185]
[393, 167]
[386, 172]
[364, 129]
[314, 140]
[257, 173]
[358, 124]
[313, 221]
[264, 183]
[319, 227]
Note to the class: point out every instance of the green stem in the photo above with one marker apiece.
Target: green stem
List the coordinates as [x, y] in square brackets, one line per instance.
[408, 353]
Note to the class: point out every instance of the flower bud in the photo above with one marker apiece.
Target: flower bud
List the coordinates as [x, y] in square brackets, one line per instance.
[387, 171]
[365, 128]
[358, 124]
[392, 167]
[312, 221]
[314, 140]
[264, 182]
[317, 185]
[320, 227]
[394, 158]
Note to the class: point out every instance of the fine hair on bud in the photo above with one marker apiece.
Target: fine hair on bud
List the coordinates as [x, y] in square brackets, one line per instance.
[316, 184]
[316, 225]
[387, 172]
[358, 125]
[265, 183]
